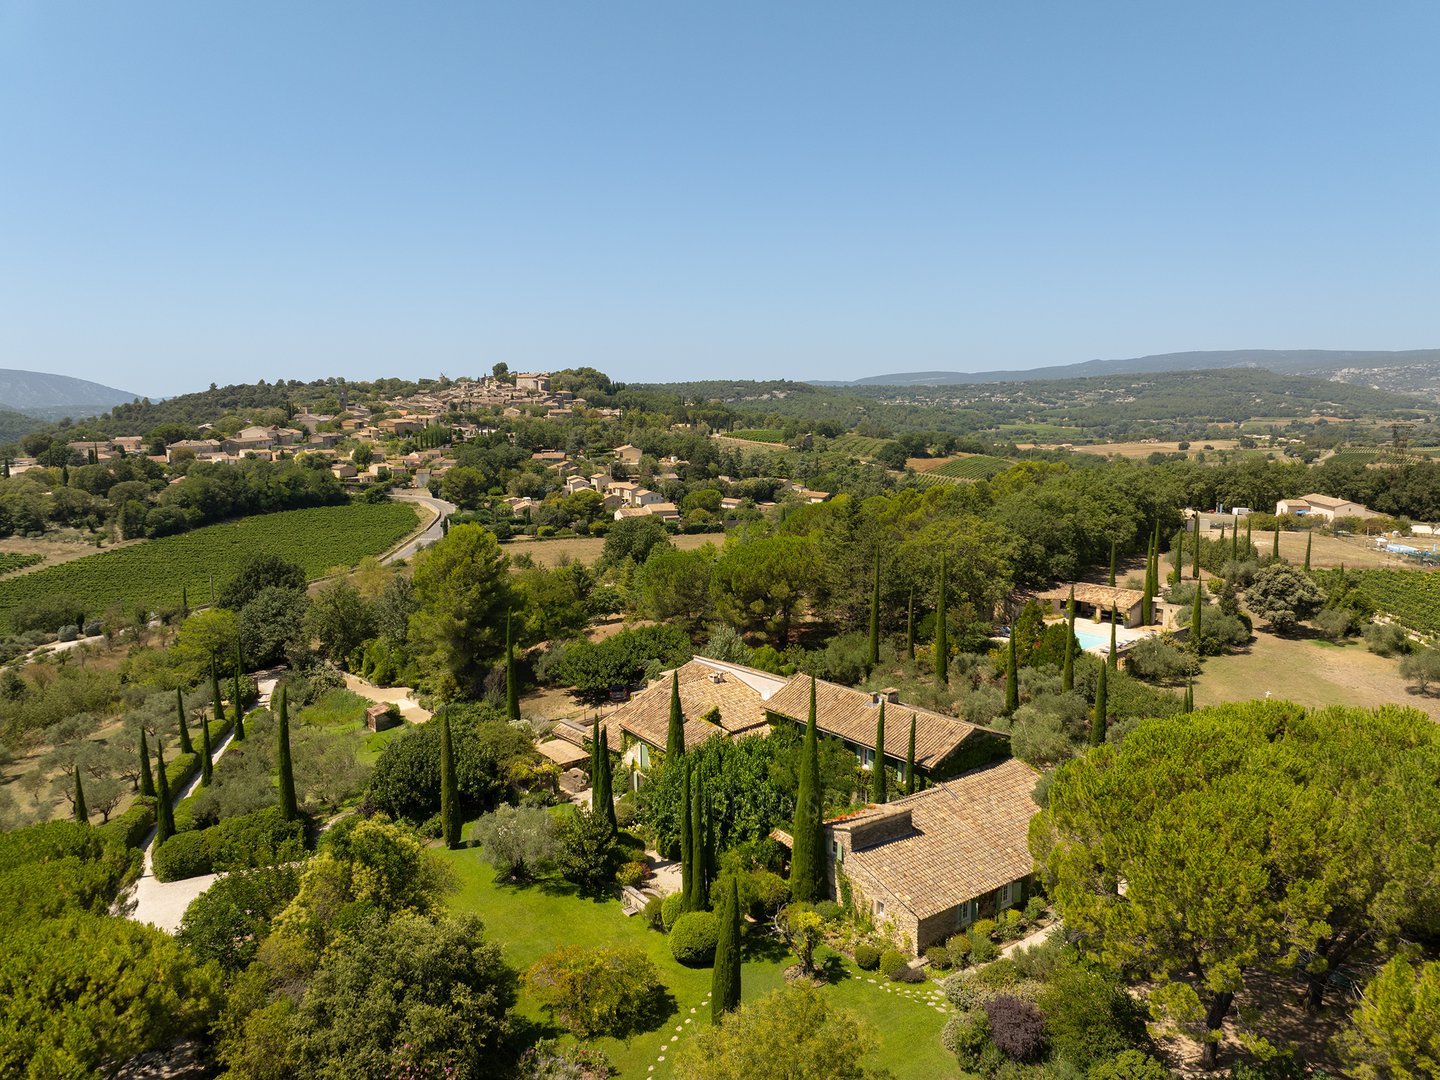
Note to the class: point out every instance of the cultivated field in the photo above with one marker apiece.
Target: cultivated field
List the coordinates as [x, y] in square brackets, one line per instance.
[1142, 450]
[153, 573]
[586, 549]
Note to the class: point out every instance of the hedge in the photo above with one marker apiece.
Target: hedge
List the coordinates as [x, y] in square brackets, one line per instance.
[184, 855]
[671, 908]
[260, 838]
[131, 827]
[692, 939]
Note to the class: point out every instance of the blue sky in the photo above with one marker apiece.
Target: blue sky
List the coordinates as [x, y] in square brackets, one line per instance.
[196, 192]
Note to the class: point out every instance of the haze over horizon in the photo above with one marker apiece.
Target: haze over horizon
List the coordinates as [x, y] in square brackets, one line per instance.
[228, 193]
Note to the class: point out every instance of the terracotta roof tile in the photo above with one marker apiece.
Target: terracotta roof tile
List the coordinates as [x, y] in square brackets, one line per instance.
[738, 692]
[969, 837]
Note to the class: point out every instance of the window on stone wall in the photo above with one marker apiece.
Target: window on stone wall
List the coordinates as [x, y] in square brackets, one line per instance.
[879, 909]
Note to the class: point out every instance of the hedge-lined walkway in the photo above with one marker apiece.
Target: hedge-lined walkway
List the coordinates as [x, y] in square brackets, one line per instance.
[162, 904]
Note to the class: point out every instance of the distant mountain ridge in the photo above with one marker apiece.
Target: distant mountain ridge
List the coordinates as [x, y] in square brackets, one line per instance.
[1410, 370]
[49, 397]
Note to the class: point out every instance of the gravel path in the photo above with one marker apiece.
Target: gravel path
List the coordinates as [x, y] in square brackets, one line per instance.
[162, 903]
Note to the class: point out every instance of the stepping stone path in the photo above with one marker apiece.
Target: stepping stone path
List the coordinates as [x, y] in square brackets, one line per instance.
[668, 1045]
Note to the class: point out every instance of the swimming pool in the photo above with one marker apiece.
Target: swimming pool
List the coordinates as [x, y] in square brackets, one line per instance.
[1093, 637]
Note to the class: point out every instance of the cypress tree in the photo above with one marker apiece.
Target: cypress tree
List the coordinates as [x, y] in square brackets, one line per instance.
[675, 735]
[288, 806]
[687, 854]
[942, 634]
[82, 812]
[1179, 570]
[807, 868]
[1112, 564]
[184, 602]
[699, 849]
[449, 790]
[147, 781]
[877, 770]
[239, 704]
[607, 778]
[1098, 720]
[1275, 543]
[186, 746]
[875, 614]
[1249, 545]
[725, 979]
[207, 767]
[1235, 539]
[1195, 619]
[164, 811]
[1195, 557]
[597, 783]
[1012, 676]
[1189, 694]
[910, 626]
[215, 690]
[910, 760]
[1309, 542]
[1113, 660]
[512, 684]
[1067, 671]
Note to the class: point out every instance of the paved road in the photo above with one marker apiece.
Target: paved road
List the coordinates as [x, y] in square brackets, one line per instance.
[432, 532]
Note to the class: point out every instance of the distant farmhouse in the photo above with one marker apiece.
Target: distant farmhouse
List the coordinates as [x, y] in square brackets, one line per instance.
[1322, 506]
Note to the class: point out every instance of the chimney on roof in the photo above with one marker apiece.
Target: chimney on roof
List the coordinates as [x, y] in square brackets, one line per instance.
[891, 695]
[717, 676]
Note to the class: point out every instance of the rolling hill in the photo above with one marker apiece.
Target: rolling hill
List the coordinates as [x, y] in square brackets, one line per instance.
[49, 397]
[1412, 371]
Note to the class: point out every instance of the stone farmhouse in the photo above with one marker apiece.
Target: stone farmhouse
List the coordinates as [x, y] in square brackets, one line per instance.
[1322, 506]
[932, 863]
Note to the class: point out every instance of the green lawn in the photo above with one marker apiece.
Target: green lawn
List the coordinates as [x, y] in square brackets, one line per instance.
[532, 920]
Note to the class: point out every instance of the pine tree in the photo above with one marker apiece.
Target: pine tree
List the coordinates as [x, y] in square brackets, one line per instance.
[1275, 543]
[725, 979]
[699, 849]
[512, 683]
[910, 760]
[1012, 676]
[207, 767]
[807, 868]
[687, 854]
[910, 626]
[1067, 671]
[942, 633]
[288, 806]
[239, 704]
[1113, 660]
[877, 770]
[875, 614]
[1195, 556]
[147, 780]
[1100, 717]
[1309, 543]
[164, 811]
[186, 746]
[675, 736]
[82, 812]
[449, 789]
[1112, 564]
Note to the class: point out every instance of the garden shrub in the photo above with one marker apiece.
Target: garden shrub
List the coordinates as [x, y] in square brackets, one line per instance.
[1131, 1065]
[939, 957]
[828, 910]
[549, 1060]
[966, 1035]
[631, 873]
[958, 949]
[972, 988]
[892, 962]
[131, 827]
[1089, 1017]
[1011, 925]
[983, 928]
[1017, 1027]
[592, 992]
[982, 949]
[260, 838]
[652, 913]
[763, 893]
[671, 908]
[1034, 909]
[693, 937]
[909, 974]
[184, 855]
[867, 956]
